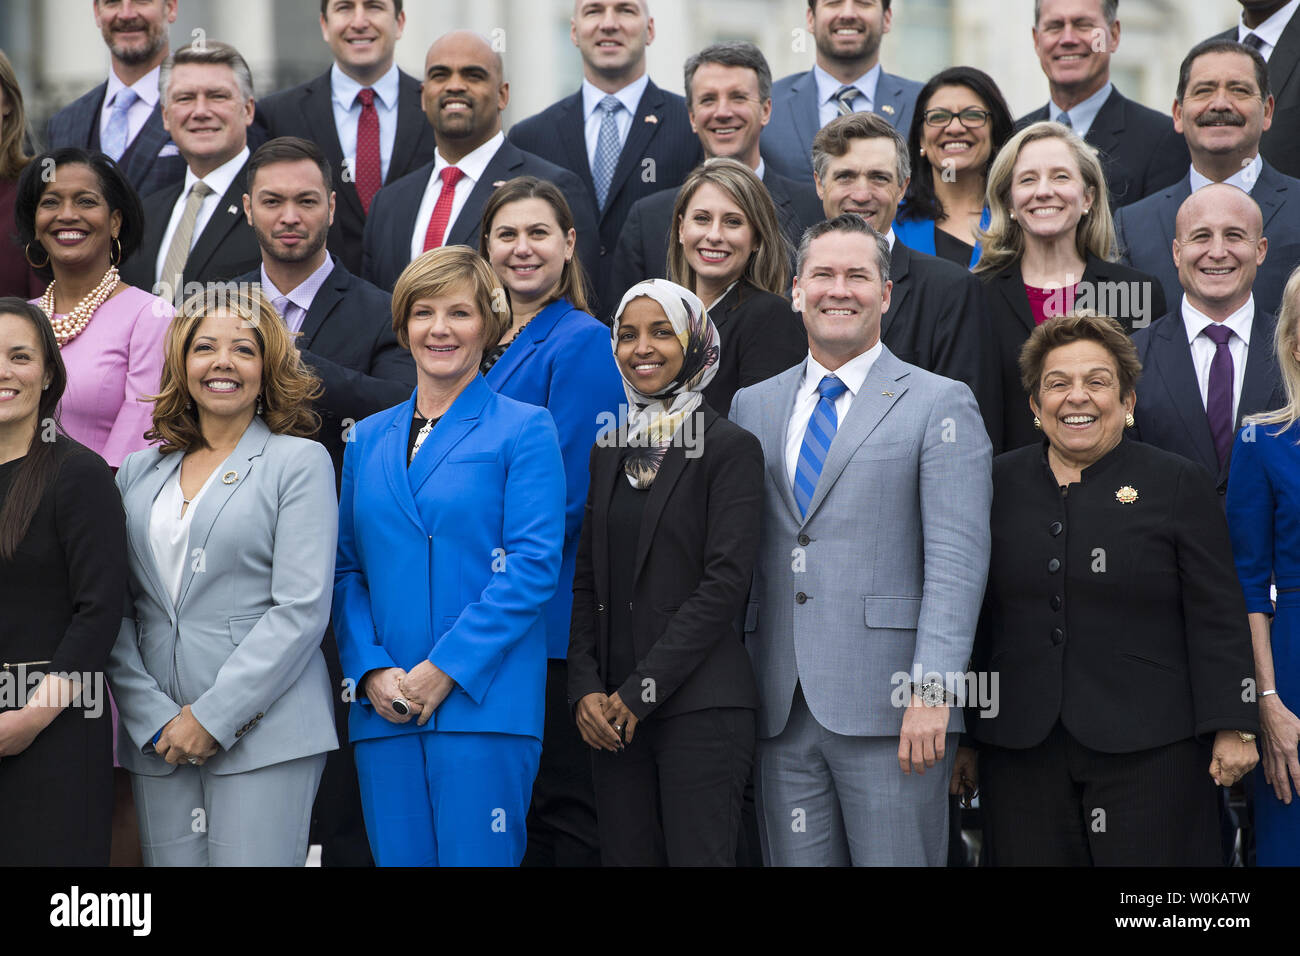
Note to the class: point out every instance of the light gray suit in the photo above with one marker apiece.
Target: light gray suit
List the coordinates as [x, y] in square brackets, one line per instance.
[241, 646]
[884, 577]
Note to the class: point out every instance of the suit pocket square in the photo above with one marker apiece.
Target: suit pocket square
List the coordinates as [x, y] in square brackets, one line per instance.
[168, 150]
[900, 613]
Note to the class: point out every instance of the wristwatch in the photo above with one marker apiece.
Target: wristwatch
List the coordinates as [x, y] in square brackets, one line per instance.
[932, 693]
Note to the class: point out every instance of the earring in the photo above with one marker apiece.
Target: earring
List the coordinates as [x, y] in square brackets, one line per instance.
[259, 404]
[27, 254]
[1037, 424]
[1013, 216]
[189, 405]
[45, 387]
[115, 258]
[1129, 420]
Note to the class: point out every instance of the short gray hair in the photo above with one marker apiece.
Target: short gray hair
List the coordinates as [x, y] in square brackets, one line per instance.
[832, 141]
[1109, 11]
[735, 53]
[207, 51]
[848, 222]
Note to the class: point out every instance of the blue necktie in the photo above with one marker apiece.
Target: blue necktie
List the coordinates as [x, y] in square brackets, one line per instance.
[607, 148]
[817, 442]
[1064, 120]
[115, 134]
[844, 98]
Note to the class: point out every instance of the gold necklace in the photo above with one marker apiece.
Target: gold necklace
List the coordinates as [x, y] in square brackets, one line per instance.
[68, 327]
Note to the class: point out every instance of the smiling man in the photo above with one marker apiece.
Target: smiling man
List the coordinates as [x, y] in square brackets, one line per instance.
[1139, 149]
[1223, 107]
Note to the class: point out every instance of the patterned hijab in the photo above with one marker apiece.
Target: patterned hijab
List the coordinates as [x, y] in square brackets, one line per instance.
[653, 420]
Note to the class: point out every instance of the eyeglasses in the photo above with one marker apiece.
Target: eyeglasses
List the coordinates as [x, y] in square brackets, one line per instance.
[971, 117]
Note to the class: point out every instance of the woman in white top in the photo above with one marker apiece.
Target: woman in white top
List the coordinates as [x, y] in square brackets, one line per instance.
[222, 691]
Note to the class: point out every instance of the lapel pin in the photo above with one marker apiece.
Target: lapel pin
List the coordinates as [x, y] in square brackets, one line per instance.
[232, 210]
[651, 118]
[887, 394]
[230, 477]
[1126, 495]
[886, 108]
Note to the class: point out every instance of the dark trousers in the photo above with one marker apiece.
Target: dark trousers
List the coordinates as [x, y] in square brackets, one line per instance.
[1062, 804]
[673, 796]
[337, 822]
[562, 817]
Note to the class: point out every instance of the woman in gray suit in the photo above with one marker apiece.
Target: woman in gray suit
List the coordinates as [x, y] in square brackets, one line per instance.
[222, 692]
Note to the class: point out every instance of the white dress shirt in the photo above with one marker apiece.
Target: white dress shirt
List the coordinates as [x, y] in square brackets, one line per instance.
[1270, 31]
[852, 373]
[1082, 114]
[828, 86]
[146, 91]
[1245, 178]
[473, 167]
[219, 180]
[1203, 348]
[297, 302]
[347, 114]
[629, 96]
[169, 530]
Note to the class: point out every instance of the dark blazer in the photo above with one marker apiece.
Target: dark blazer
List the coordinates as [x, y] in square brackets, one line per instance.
[648, 233]
[1169, 410]
[1149, 651]
[761, 336]
[1012, 321]
[1145, 231]
[937, 320]
[1139, 149]
[386, 245]
[226, 248]
[348, 341]
[1281, 143]
[787, 138]
[694, 558]
[657, 155]
[307, 110]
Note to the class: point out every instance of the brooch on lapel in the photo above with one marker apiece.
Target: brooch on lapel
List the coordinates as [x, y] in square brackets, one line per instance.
[651, 118]
[886, 108]
[230, 477]
[1126, 495]
[232, 210]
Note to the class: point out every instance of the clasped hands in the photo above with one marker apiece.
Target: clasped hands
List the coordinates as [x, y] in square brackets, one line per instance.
[184, 740]
[424, 688]
[605, 721]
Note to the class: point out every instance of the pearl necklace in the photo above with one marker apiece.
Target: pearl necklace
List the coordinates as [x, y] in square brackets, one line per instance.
[68, 327]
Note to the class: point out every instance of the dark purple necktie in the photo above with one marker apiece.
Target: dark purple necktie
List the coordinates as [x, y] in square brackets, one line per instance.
[1218, 404]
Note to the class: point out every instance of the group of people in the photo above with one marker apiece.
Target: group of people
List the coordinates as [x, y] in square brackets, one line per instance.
[448, 496]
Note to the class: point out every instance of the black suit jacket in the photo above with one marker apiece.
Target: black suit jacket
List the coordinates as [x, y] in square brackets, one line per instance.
[227, 246]
[1281, 143]
[1170, 413]
[348, 341]
[1139, 637]
[1012, 321]
[761, 336]
[660, 150]
[386, 246]
[937, 321]
[308, 111]
[694, 559]
[643, 245]
[1140, 151]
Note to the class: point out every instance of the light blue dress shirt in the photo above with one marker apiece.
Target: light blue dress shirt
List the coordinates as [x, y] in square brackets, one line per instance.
[1081, 116]
[347, 113]
[629, 96]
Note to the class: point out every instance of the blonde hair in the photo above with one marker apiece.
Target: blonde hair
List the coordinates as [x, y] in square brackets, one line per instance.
[434, 272]
[12, 157]
[1285, 343]
[1004, 240]
[288, 386]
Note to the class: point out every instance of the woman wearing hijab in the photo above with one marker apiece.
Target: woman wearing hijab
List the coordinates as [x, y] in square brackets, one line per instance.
[664, 688]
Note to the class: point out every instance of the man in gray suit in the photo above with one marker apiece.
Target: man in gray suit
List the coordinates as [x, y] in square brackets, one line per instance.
[847, 78]
[870, 574]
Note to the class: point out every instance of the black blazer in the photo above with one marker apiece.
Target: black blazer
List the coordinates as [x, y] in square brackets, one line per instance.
[386, 245]
[694, 559]
[1140, 151]
[1169, 410]
[1139, 638]
[937, 321]
[1012, 321]
[1280, 145]
[348, 341]
[226, 248]
[307, 110]
[657, 155]
[761, 336]
[648, 233]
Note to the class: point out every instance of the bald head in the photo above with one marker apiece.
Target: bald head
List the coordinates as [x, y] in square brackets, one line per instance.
[1219, 246]
[466, 45]
[463, 92]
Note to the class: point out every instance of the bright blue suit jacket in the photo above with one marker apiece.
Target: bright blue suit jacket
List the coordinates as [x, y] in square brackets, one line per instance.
[452, 559]
[562, 360]
[918, 235]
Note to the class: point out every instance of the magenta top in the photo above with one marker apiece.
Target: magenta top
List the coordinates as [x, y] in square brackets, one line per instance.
[1046, 304]
[116, 360]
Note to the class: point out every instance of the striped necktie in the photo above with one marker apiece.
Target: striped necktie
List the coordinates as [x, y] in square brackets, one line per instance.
[844, 98]
[817, 442]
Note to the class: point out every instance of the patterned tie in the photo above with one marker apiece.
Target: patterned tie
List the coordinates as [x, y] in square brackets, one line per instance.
[607, 148]
[1254, 41]
[817, 442]
[1064, 120]
[179, 251]
[434, 235]
[844, 98]
[115, 134]
[369, 171]
[1218, 403]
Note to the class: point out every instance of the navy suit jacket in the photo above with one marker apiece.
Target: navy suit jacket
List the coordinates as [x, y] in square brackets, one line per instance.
[308, 111]
[1145, 231]
[1281, 143]
[347, 339]
[660, 134]
[1170, 413]
[1139, 149]
[648, 233]
[788, 136]
[386, 246]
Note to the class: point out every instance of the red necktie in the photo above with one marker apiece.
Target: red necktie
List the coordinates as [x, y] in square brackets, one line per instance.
[369, 173]
[442, 208]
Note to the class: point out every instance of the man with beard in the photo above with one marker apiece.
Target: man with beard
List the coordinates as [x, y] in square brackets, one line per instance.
[847, 78]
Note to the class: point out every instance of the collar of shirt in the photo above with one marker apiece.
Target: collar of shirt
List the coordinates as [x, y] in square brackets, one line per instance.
[1195, 321]
[146, 87]
[1244, 179]
[629, 96]
[1270, 31]
[852, 373]
[889, 237]
[304, 293]
[866, 84]
[344, 89]
[220, 179]
[1082, 114]
[762, 166]
[474, 164]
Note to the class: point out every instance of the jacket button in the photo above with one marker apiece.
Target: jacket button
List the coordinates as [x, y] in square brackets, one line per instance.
[1058, 636]
[1055, 528]
[1223, 491]
[800, 598]
[1056, 602]
[1054, 565]
[804, 539]
[602, 250]
[629, 605]
[600, 608]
